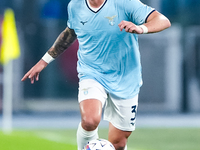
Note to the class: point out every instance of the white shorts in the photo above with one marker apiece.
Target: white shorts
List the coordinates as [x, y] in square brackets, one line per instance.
[120, 112]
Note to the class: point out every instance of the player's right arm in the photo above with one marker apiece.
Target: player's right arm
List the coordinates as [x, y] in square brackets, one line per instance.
[64, 40]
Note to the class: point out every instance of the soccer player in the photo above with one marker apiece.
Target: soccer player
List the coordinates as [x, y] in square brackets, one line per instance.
[109, 67]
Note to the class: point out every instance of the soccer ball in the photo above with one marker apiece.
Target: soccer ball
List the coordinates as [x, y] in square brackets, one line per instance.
[99, 144]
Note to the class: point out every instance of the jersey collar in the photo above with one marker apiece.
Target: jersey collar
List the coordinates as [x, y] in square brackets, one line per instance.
[95, 10]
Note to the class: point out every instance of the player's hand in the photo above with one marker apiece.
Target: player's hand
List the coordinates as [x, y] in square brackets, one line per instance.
[33, 73]
[130, 27]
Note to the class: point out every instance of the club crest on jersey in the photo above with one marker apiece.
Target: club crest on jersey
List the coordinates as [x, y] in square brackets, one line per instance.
[112, 20]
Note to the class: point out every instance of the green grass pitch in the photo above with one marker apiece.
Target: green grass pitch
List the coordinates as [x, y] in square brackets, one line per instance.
[141, 139]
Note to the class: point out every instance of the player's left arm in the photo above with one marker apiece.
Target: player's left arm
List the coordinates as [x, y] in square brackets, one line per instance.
[156, 22]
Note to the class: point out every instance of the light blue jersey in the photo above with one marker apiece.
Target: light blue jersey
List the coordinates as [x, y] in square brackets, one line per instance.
[106, 54]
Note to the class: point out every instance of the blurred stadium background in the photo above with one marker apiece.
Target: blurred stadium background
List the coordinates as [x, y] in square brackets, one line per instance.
[170, 59]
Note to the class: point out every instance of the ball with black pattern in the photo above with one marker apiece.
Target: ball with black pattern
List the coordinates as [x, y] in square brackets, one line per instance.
[99, 144]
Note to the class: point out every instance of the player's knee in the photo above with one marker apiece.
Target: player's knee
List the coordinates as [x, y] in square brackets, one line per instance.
[90, 123]
[120, 145]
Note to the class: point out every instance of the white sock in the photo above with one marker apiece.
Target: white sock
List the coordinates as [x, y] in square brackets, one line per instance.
[83, 136]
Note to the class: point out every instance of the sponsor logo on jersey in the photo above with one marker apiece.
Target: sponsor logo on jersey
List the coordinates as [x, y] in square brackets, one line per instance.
[83, 22]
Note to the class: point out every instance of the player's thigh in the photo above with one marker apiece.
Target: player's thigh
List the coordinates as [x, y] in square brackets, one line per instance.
[92, 96]
[91, 110]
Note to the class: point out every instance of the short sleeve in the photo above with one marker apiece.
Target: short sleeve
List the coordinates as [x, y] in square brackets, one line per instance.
[69, 21]
[137, 11]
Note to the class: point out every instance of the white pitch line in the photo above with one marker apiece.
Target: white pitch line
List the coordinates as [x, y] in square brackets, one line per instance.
[55, 137]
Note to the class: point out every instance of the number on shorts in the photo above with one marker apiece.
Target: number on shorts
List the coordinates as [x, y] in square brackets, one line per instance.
[134, 110]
